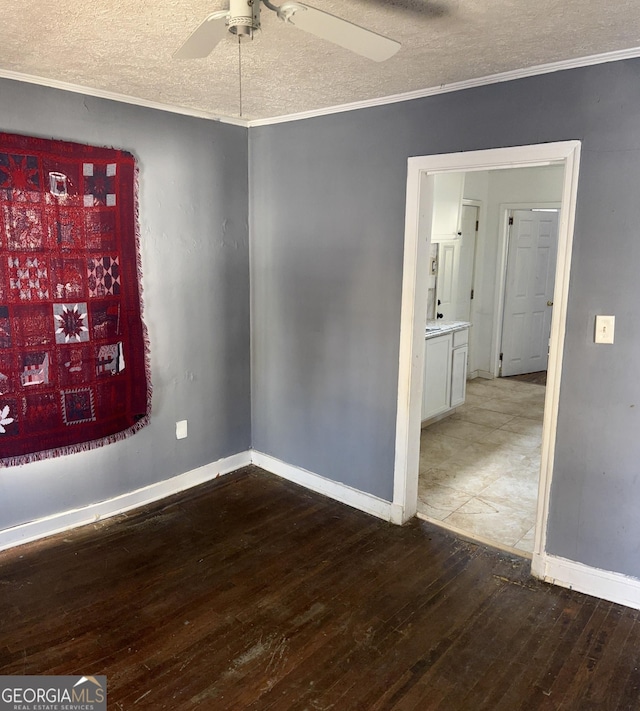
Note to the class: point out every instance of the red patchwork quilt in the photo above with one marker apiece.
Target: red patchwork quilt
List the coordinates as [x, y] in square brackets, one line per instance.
[74, 368]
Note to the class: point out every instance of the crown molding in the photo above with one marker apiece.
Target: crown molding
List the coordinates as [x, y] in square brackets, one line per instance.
[616, 56]
[123, 98]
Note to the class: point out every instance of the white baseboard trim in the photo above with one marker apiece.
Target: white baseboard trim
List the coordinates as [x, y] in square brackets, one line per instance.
[398, 515]
[333, 489]
[605, 584]
[66, 520]
[486, 374]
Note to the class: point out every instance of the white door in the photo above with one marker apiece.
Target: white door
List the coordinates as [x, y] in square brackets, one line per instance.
[528, 298]
[456, 260]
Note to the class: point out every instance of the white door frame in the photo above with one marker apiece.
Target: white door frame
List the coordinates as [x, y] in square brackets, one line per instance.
[419, 209]
[471, 354]
[501, 271]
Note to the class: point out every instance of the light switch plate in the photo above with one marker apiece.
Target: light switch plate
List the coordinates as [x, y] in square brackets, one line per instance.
[605, 326]
[181, 429]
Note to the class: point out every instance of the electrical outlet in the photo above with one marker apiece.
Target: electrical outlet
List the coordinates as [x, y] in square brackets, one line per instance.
[181, 429]
[605, 326]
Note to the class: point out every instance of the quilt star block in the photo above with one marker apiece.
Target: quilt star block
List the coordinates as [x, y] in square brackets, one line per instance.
[71, 323]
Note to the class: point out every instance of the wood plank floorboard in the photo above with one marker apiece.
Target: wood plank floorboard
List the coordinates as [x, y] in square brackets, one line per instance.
[608, 686]
[511, 655]
[425, 639]
[623, 688]
[571, 680]
[332, 660]
[251, 593]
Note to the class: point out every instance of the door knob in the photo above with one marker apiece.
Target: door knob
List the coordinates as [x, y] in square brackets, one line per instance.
[549, 303]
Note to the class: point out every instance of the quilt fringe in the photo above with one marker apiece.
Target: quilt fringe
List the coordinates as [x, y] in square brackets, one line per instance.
[145, 331]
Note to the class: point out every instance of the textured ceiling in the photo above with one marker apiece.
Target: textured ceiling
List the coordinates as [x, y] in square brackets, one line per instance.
[125, 46]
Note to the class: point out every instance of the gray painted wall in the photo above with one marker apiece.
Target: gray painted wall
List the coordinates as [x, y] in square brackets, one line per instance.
[327, 218]
[195, 261]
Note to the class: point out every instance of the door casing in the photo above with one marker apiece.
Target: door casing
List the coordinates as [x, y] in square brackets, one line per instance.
[417, 237]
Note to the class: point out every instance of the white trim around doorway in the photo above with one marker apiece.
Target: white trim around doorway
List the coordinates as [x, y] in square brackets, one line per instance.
[419, 207]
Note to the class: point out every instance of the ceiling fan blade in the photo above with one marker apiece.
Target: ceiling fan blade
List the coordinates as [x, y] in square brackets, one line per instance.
[204, 38]
[341, 32]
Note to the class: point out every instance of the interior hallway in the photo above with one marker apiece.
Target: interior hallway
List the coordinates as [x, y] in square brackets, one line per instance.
[479, 468]
[252, 593]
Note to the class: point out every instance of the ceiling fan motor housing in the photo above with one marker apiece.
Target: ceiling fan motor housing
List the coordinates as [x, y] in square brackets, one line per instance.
[244, 16]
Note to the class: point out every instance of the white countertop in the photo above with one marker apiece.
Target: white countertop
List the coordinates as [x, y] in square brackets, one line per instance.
[439, 328]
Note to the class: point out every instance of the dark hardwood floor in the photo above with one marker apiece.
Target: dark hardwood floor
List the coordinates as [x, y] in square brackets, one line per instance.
[251, 593]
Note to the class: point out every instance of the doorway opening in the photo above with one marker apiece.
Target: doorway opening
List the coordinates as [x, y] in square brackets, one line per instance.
[480, 446]
[484, 339]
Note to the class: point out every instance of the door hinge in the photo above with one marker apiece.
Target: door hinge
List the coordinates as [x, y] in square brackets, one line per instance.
[500, 359]
[511, 220]
[472, 291]
[477, 225]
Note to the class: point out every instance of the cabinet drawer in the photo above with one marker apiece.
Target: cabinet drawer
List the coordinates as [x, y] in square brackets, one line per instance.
[461, 338]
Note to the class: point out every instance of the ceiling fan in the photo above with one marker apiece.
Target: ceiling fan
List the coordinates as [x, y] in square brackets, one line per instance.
[243, 17]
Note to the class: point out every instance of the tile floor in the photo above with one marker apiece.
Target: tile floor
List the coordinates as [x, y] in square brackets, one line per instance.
[479, 468]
